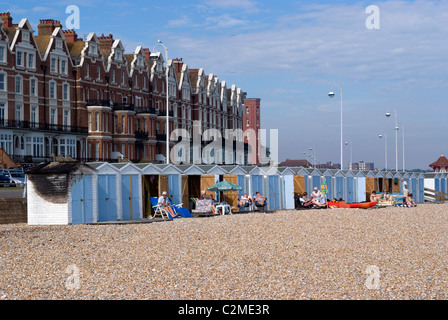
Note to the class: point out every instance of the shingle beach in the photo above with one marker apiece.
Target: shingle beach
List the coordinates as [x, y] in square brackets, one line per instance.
[386, 253]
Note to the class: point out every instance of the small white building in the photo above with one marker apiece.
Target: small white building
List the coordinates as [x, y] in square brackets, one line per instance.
[61, 193]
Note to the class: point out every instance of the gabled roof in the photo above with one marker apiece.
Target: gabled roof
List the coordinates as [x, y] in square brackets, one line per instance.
[441, 162]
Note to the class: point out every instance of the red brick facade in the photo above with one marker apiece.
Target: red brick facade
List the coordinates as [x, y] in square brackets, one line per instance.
[87, 98]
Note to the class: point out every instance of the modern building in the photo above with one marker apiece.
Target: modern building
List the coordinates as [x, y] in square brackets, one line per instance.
[361, 165]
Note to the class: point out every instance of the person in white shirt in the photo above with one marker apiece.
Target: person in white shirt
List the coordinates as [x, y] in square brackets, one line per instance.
[405, 189]
[165, 204]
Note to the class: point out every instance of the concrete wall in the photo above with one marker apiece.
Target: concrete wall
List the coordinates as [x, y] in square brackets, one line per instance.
[13, 211]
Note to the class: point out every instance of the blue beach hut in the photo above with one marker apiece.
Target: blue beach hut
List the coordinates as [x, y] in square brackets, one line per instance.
[109, 188]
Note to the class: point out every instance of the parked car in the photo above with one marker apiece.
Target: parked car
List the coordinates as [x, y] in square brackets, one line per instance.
[5, 181]
[16, 176]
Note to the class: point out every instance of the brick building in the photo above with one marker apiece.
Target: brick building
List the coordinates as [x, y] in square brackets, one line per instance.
[88, 98]
[251, 122]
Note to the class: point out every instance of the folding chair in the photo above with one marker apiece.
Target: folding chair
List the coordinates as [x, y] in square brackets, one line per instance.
[158, 210]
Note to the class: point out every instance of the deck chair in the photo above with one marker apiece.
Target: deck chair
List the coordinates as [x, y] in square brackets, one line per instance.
[180, 210]
[161, 211]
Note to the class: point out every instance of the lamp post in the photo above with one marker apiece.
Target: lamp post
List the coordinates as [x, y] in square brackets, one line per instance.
[385, 149]
[350, 167]
[402, 127]
[167, 102]
[331, 95]
[396, 139]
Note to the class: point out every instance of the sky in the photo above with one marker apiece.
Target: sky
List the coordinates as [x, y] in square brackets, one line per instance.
[291, 54]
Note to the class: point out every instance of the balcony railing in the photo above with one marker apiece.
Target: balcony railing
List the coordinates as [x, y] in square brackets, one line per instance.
[35, 126]
[141, 109]
[141, 135]
[161, 137]
[101, 103]
[162, 113]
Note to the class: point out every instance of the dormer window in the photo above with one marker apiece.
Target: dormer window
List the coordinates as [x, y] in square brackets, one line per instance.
[58, 43]
[25, 36]
[118, 56]
[140, 61]
[93, 49]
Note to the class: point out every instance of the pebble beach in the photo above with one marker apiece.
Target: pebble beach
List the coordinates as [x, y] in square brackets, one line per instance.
[382, 254]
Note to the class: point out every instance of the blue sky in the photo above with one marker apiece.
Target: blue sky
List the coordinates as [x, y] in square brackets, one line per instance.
[291, 54]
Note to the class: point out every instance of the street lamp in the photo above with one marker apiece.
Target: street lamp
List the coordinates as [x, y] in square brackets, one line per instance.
[331, 95]
[167, 101]
[385, 149]
[396, 139]
[350, 167]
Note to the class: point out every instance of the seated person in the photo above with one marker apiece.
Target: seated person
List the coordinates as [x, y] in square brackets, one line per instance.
[387, 197]
[374, 197]
[245, 201]
[203, 195]
[214, 204]
[317, 195]
[164, 203]
[259, 200]
[304, 201]
[410, 201]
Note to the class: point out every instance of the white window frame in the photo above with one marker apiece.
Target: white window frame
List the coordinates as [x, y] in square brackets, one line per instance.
[34, 111]
[31, 64]
[53, 121]
[3, 110]
[19, 58]
[66, 91]
[64, 70]
[53, 64]
[20, 83]
[5, 82]
[36, 93]
[55, 93]
[3, 56]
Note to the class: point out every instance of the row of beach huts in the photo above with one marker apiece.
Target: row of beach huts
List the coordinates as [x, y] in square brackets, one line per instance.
[61, 193]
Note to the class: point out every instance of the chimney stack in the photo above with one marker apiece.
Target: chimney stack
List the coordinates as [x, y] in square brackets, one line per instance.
[106, 42]
[47, 26]
[7, 19]
[70, 36]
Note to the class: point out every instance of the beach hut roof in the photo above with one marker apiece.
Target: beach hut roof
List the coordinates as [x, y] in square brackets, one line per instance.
[191, 169]
[129, 168]
[270, 171]
[169, 169]
[149, 169]
[59, 167]
[216, 169]
[286, 171]
[238, 170]
[104, 167]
